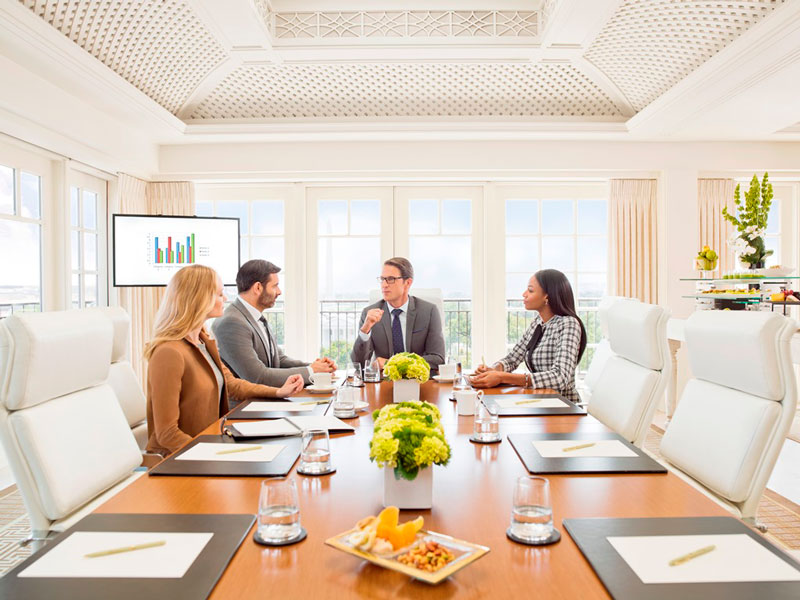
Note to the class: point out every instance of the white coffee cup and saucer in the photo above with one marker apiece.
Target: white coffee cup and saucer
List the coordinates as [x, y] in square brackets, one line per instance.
[322, 383]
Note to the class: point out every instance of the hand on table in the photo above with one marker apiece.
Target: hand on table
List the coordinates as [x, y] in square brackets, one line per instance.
[293, 383]
[487, 379]
[482, 369]
[323, 365]
[373, 316]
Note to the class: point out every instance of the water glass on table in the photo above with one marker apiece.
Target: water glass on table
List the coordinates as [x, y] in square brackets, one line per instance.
[315, 456]
[532, 512]
[278, 510]
[344, 402]
[487, 424]
[372, 372]
[354, 375]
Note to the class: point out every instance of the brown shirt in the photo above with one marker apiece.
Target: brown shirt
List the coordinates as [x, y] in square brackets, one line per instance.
[182, 393]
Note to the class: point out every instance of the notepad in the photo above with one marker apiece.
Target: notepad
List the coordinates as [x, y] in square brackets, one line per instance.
[511, 402]
[269, 428]
[320, 422]
[171, 560]
[736, 558]
[601, 448]
[259, 406]
[208, 451]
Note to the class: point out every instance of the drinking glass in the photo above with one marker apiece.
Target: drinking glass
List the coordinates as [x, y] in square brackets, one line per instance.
[316, 454]
[372, 372]
[278, 510]
[460, 380]
[532, 513]
[356, 377]
[487, 425]
[344, 402]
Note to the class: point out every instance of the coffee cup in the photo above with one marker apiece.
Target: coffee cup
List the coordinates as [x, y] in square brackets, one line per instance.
[447, 371]
[466, 400]
[322, 380]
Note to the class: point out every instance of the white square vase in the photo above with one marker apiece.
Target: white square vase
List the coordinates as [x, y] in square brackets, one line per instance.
[416, 494]
[405, 390]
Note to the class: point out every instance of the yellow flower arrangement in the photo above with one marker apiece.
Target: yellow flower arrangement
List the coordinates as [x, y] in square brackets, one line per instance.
[407, 365]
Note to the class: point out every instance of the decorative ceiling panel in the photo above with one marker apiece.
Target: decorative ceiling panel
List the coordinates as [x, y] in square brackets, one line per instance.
[405, 90]
[158, 46]
[650, 45]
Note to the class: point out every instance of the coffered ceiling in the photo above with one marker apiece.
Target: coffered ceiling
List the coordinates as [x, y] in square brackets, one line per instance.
[214, 63]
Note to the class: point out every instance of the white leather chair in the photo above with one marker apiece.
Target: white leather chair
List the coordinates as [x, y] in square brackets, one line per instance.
[634, 378]
[68, 442]
[734, 414]
[122, 378]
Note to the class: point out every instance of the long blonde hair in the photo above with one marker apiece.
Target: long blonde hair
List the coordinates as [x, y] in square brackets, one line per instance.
[190, 297]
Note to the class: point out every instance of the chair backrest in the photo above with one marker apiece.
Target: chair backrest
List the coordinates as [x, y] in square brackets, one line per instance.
[635, 375]
[432, 295]
[733, 416]
[121, 376]
[62, 428]
[602, 351]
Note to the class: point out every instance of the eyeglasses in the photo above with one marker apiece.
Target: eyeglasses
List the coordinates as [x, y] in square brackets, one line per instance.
[390, 280]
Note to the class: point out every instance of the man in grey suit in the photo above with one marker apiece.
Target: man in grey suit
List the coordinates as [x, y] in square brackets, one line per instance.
[399, 322]
[246, 344]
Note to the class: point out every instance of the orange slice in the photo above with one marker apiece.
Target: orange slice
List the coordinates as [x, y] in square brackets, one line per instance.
[406, 533]
[387, 521]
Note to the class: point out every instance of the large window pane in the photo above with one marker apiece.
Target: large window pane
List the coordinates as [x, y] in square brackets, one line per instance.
[89, 210]
[90, 252]
[443, 262]
[267, 217]
[592, 253]
[76, 249]
[592, 216]
[76, 290]
[457, 217]
[91, 290]
[516, 283]
[244, 246]
[522, 254]
[423, 216]
[348, 267]
[522, 216]
[590, 285]
[234, 209]
[365, 217]
[74, 207]
[20, 279]
[6, 190]
[31, 195]
[557, 216]
[270, 249]
[332, 217]
[558, 253]
[204, 208]
[772, 242]
[774, 218]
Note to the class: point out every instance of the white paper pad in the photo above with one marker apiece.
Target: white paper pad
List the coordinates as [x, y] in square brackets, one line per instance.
[601, 448]
[171, 560]
[208, 451]
[278, 406]
[542, 403]
[267, 428]
[320, 422]
[737, 557]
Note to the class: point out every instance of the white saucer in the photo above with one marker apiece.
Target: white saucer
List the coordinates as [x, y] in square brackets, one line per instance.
[315, 389]
[443, 379]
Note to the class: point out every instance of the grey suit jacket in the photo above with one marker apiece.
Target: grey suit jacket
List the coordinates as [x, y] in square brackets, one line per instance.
[423, 333]
[243, 348]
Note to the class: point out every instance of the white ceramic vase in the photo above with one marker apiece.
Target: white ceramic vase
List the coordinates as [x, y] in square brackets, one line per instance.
[405, 390]
[415, 494]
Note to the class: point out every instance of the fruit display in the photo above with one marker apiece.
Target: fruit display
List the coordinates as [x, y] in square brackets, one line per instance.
[427, 556]
[785, 296]
[383, 534]
[706, 259]
[743, 276]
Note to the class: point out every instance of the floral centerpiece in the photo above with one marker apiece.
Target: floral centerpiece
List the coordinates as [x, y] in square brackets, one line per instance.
[408, 438]
[407, 370]
[751, 222]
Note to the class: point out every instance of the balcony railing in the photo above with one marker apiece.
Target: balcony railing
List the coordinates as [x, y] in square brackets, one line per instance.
[10, 309]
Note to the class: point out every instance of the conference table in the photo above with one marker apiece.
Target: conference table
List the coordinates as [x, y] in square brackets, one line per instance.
[472, 498]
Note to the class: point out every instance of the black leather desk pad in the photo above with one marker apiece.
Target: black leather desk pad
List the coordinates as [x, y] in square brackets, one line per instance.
[622, 583]
[536, 463]
[198, 581]
[279, 467]
[531, 410]
[239, 413]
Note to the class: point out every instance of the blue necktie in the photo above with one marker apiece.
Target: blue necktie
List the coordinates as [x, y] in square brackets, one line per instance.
[397, 332]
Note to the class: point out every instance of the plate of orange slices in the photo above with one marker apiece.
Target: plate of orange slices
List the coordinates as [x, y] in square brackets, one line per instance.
[406, 547]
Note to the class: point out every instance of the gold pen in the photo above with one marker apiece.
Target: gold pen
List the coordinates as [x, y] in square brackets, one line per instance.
[314, 402]
[578, 447]
[232, 450]
[125, 549]
[531, 401]
[687, 557]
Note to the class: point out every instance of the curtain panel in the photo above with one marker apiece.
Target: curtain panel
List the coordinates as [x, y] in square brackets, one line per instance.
[633, 234]
[712, 196]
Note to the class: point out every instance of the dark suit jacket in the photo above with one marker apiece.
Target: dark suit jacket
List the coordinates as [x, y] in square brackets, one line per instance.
[243, 348]
[423, 333]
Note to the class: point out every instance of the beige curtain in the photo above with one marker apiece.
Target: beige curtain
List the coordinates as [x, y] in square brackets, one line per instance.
[155, 198]
[632, 228]
[712, 196]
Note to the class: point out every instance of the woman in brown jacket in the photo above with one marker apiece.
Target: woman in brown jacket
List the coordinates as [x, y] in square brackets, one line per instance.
[187, 384]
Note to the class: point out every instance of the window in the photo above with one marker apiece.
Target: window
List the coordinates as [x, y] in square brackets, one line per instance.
[545, 231]
[261, 227]
[20, 240]
[87, 235]
[772, 237]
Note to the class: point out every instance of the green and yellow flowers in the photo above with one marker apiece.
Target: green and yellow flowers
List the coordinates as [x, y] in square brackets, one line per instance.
[408, 437]
[407, 365]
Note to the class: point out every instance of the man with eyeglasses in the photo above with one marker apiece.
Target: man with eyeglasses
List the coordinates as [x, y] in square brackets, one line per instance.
[399, 322]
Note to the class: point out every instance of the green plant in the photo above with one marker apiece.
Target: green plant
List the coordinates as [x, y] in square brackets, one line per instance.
[407, 365]
[751, 221]
[408, 436]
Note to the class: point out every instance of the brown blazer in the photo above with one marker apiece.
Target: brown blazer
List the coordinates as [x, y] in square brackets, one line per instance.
[182, 393]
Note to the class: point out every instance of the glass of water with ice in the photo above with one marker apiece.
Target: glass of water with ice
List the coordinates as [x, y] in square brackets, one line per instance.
[487, 425]
[532, 513]
[278, 510]
[315, 457]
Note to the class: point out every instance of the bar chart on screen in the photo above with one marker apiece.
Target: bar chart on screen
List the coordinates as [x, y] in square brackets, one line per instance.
[181, 253]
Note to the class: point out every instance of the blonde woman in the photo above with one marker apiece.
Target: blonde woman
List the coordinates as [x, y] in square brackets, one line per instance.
[187, 384]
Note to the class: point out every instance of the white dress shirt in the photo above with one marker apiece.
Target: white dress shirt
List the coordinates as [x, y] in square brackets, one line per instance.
[401, 316]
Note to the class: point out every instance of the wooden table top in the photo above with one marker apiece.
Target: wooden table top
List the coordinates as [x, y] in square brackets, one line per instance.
[471, 501]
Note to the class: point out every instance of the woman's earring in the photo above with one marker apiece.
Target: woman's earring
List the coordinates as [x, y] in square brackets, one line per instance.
[546, 301]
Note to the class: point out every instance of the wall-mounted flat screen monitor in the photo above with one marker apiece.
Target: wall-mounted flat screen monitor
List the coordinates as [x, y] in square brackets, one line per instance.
[148, 249]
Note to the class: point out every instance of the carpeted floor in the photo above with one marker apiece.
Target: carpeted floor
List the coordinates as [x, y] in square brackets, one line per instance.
[781, 516]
